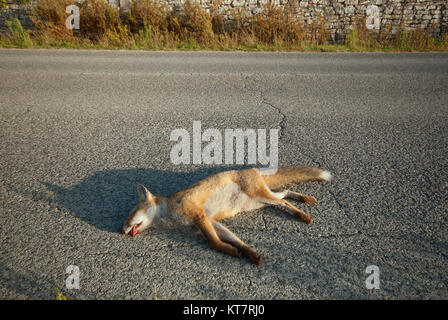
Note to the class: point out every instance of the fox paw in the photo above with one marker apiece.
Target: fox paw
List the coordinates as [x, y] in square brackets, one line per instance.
[309, 200]
[234, 252]
[307, 219]
[255, 258]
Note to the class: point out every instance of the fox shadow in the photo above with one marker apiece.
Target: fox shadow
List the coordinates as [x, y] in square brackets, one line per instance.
[105, 198]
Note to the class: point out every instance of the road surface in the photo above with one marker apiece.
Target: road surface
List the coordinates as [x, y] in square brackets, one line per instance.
[80, 129]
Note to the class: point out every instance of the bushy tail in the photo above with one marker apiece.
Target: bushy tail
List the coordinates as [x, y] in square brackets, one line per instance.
[294, 174]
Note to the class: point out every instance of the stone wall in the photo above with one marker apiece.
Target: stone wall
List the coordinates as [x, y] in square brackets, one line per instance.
[15, 9]
[339, 14]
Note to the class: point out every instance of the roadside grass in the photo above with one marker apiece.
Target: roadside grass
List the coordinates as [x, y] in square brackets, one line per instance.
[149, 25]
[17, 37]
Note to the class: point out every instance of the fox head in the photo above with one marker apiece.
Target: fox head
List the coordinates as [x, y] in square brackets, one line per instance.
[143, 214]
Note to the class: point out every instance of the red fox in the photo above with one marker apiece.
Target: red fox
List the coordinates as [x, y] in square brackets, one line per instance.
[223, 195]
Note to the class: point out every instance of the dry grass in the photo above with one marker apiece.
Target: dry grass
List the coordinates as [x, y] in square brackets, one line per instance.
[359, 38]
[149, 24]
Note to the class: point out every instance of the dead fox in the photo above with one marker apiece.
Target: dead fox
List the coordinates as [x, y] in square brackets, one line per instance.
[223, 195]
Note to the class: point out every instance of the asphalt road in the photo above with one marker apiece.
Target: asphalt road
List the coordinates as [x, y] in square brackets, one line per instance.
[79, 130]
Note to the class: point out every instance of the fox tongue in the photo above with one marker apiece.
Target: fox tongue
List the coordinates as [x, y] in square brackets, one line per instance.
[134, 230]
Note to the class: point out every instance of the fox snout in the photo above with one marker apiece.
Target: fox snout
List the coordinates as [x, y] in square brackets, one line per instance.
[131, 230]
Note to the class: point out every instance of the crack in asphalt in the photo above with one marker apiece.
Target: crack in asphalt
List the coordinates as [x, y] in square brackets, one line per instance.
[265, 101]
[263, 218]
[282, 123]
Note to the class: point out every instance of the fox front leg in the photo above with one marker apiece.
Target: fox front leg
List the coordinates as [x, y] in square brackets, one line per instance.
[227, 236]
[209, 232]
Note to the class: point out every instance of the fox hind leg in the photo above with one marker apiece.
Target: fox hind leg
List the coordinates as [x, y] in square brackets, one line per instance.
[277, 199]
[300, 197]
[294, 195]
[290, 208]
[261, 192]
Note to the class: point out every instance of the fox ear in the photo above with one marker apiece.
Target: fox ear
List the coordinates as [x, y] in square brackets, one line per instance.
[143, 193]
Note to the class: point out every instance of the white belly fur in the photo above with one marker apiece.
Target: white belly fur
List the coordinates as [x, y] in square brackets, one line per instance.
[230, 198]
